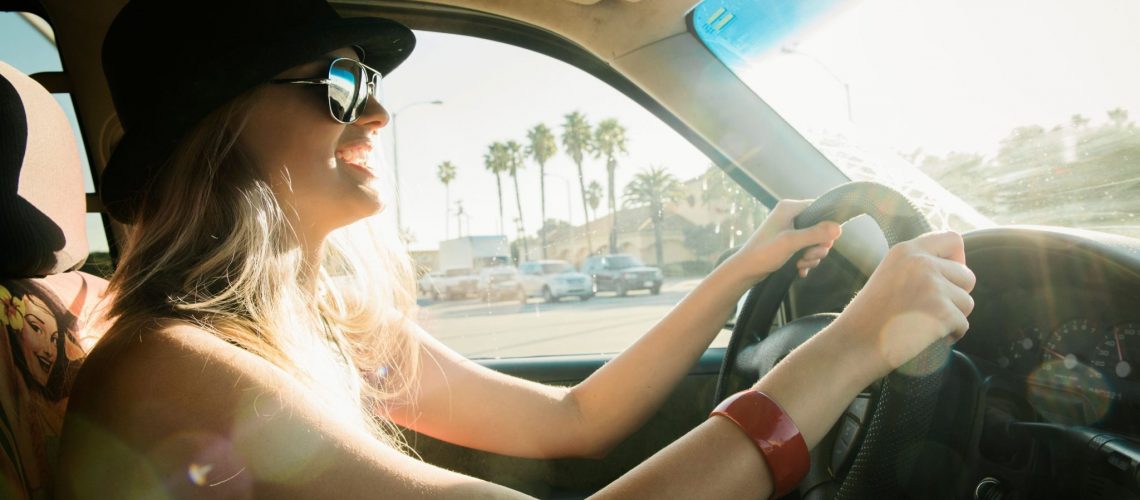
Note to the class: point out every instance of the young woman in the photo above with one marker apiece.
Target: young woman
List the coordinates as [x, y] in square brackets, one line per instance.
[258, 350]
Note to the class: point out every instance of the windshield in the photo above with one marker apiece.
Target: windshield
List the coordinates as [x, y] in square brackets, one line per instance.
[1023, 110]
[557, 268]
[622, 262]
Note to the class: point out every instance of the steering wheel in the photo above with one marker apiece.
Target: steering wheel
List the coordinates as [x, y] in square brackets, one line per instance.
[857, 459]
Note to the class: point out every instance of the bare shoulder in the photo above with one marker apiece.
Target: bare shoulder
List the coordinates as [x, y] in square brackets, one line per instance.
[156, 402]
[148, 370]
[175, 412]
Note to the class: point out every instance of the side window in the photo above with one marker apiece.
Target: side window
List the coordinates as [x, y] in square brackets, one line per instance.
[28, 44]
[506, 155]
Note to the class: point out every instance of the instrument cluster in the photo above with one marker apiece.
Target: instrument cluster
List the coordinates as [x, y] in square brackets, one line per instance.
[1079, 372]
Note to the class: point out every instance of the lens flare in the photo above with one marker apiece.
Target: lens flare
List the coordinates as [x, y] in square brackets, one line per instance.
[1066, 391]
[198, 473]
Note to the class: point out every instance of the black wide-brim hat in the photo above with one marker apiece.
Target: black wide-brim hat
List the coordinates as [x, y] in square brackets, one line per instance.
[170, 63]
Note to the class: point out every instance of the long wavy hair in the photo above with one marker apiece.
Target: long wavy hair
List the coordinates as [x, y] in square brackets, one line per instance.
[212, 246]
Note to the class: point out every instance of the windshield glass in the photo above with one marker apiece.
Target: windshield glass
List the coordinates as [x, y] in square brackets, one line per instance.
[557, 268]
[1023, 110]
[622, 262]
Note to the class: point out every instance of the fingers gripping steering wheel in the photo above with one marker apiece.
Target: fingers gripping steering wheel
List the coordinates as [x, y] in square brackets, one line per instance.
[901, 405]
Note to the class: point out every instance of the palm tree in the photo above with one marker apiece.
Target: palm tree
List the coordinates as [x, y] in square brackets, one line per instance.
[742, 211]
[495, 161]
[577, 142]
[541, 148]
[594, 196]
[609, 142]
[654, 188]
[515, 161]
[446, 173]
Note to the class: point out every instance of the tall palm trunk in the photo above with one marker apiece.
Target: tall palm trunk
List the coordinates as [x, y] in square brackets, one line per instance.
[611, 166]
[542, 195]
[522, 225]
[585, 211]
[499, 185]
[447, 208]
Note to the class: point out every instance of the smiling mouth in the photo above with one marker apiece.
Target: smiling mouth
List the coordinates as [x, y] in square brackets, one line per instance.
[44, 363]
[358, 155]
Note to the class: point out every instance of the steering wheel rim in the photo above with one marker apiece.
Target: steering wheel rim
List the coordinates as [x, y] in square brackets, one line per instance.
[903, 408]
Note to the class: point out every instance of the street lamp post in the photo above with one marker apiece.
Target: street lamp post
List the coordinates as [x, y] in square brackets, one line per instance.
[396, 154]
[459, 215]
[846, 87]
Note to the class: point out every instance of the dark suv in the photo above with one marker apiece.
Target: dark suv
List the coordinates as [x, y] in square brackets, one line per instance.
[622, 273]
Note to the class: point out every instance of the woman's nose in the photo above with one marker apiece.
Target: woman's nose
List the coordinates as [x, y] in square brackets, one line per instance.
[374, 117]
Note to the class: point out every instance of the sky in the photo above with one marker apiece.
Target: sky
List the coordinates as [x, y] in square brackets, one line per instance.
[940, 76]
[955, 76]
[496, 92]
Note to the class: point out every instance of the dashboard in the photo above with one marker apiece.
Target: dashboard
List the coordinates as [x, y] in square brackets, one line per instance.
[1056, 328]
[1078, 371]
[1049, 383]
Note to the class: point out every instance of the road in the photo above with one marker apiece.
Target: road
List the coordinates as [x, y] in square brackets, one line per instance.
[605, 323]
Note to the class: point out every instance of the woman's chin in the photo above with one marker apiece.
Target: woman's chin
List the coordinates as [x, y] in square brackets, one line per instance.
[368, 202]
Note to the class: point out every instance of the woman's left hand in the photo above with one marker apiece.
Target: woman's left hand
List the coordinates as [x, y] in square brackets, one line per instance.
[776, 241]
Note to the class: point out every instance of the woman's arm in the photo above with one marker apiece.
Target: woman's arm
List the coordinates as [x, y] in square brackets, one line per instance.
[179, 413]
[457, 397]
[919, 294]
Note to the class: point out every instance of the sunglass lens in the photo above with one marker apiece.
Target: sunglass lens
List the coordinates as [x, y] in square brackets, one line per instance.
[344, 90]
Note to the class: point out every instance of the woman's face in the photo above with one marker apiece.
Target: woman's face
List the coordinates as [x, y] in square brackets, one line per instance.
[38, 338]
[302, 150]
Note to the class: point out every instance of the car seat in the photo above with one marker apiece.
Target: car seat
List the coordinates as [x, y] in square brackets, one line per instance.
[50, 313]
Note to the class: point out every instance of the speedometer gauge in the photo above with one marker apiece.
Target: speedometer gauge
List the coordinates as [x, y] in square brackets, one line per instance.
[1072, 343]
[1068, 388]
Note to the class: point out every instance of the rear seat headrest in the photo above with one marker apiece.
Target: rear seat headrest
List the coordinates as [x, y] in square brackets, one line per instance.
[42, 200]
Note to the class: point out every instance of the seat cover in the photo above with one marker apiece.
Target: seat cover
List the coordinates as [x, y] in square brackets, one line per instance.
[50, 315]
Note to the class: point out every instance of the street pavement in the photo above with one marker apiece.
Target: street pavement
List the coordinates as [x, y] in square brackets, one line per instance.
[604, 324]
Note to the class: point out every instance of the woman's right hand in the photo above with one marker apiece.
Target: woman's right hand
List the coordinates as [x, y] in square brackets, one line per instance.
[919, 294]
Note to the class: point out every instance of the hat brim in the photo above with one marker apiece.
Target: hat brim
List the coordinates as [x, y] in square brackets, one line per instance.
[143, 149]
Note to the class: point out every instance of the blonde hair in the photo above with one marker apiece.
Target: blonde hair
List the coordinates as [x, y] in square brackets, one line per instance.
[212, 246]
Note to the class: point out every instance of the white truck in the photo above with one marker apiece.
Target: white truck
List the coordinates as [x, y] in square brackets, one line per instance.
[474, 252]
[461, 259]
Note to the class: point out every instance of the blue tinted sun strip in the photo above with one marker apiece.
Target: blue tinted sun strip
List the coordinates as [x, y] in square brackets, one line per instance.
[738, 30]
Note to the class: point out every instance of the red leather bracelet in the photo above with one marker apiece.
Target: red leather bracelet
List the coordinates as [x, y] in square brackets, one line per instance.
[774, 434]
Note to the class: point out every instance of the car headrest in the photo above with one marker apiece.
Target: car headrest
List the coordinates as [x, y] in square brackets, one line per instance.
[42, 200]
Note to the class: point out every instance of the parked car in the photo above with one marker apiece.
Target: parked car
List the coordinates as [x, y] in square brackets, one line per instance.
[621, 273]
[459, 283]
[552, 280]
[498, 283]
